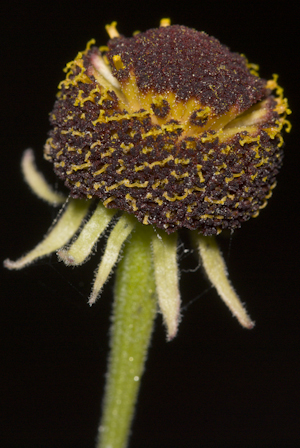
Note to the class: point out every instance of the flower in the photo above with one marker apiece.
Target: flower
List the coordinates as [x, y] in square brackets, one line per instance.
[173, 130]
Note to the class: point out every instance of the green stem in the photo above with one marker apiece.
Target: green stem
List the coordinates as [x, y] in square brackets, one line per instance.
[133, 318]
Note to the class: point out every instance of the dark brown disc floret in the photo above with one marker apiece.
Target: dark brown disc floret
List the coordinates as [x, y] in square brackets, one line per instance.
[171, 126]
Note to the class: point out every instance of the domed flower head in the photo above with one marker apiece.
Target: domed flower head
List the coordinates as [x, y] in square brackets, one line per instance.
[170, 126]
[176, 131]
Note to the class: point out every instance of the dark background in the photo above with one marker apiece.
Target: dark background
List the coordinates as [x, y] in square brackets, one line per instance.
[216, 384]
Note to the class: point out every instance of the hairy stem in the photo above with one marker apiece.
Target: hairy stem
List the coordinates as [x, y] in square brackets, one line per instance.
[133, 317]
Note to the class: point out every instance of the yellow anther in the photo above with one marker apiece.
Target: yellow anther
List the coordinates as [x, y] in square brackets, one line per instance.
[118, 62]
[112, 30]
[165, 22]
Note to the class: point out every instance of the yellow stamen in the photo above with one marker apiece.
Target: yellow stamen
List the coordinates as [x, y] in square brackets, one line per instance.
[112, 30]
[165, 22]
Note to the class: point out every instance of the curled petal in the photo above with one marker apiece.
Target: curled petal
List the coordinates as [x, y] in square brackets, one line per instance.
[166, 279]
[115, 241]
[62, 230]
[37, 182]
[78, 252]
[216, 271]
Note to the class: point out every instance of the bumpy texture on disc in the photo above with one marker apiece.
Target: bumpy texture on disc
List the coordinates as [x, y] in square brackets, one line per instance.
[185, 133]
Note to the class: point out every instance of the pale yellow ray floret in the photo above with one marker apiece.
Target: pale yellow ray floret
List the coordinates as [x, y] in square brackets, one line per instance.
[215, 268]
[115, 241]
[166, 279]
[78, 252]
[37, 182]
[63, 229]
[164, 250]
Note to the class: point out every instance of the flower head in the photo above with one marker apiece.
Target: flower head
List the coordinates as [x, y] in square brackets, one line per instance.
[175, 131]
[170, 126]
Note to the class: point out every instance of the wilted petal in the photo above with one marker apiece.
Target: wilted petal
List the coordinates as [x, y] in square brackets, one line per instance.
[166, 278]
[114, 244]
[78, 252]
[62, 230]
[37, 182]
[215, 268]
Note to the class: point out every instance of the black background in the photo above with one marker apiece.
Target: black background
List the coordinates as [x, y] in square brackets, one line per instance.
[216, 384]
